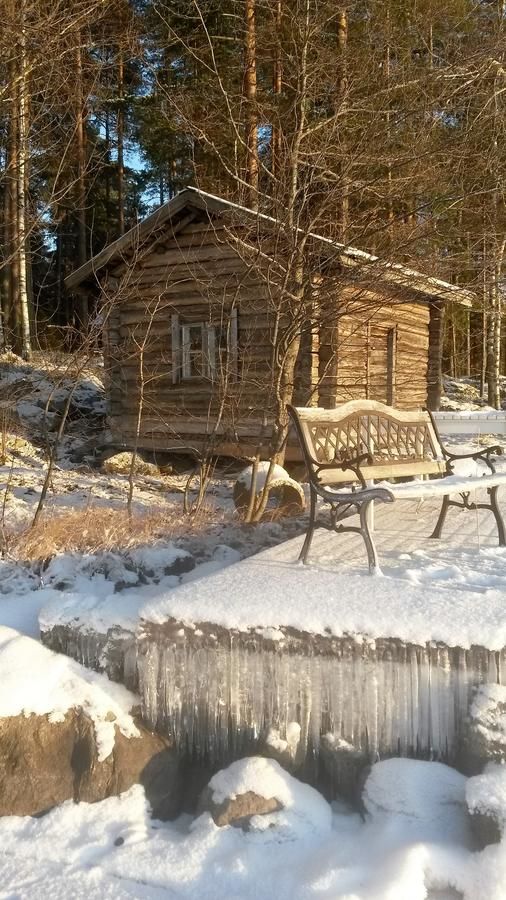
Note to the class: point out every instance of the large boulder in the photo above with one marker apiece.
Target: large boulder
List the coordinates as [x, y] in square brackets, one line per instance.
[69, 733]
[44, 762]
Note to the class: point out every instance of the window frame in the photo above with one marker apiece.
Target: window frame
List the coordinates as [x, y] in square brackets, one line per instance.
[181, 348]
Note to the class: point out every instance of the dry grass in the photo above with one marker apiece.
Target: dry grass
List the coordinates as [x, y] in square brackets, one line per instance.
[100, 529]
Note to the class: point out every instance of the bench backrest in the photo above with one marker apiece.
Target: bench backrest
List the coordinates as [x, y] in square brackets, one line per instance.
[400, 443]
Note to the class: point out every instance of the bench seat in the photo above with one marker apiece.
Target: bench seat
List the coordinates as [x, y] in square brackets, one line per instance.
[438, 487]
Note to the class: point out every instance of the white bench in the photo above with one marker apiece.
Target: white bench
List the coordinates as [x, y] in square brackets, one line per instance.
[352, 453]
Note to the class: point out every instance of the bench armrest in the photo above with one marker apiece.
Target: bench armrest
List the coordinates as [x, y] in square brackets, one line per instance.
[478, 454]
[451, 457]
[357, 497]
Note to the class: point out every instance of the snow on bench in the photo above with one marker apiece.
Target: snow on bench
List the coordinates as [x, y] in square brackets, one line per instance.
[363, 442]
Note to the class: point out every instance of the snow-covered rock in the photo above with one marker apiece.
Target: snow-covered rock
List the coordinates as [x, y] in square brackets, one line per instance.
[68, 733]
[485, 735]
[256, 794]
[486, 801]
[426, 799]
[285, 494]
[343, 766]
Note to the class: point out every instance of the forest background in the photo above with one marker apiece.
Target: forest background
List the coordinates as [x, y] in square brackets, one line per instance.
[378, 123]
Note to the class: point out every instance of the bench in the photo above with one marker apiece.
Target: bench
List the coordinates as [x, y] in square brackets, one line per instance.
[349, 448]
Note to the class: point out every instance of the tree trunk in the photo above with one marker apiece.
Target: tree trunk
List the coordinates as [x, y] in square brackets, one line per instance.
[21, 217]
[250, 96]
[484, 344]
[81, 115]
[342, 86]
[108, 172]
[8, 225]
[277, 87]
[121, 138]
[494, 331]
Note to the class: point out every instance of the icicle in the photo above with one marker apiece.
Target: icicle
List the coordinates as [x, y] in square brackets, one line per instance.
[218, 694]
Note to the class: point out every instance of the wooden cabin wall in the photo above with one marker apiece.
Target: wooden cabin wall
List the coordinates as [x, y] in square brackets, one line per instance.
[198, 277]
[380, 353]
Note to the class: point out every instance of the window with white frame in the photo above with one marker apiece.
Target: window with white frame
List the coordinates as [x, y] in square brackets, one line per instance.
[202, 350]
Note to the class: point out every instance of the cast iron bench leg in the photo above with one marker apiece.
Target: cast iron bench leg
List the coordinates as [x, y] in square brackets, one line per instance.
[442, 516]
[365, 531]
[494, 506]
[311, 527]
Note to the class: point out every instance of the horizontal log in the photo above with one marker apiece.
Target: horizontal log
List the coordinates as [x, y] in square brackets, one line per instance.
[189, 255]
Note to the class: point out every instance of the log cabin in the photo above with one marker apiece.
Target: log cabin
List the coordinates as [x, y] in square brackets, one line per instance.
[203, 302]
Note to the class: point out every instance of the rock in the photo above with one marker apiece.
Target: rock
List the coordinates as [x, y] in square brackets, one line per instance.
[16, 450]
[181, 564]
[282, 749]
[486, 802]
[484, 738]
[44, 763]
[255, 793]
[286, 496]
[344, 768]
[239, 810]
[120, 463]
[486, 829]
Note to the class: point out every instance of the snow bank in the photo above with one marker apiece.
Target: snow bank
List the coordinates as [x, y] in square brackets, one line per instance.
[426, 798]
[486, 793]
[111, 850]
[262, 592]
[91, 601]
[35, 680]
[93, 613]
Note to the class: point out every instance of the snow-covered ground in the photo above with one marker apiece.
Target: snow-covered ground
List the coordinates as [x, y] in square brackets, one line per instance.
[412, 841]
[463, 394]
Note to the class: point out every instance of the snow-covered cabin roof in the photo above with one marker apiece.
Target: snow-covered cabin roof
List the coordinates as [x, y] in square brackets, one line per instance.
[192, 198]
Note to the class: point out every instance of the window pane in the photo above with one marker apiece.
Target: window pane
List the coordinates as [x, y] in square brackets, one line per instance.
[193, 351]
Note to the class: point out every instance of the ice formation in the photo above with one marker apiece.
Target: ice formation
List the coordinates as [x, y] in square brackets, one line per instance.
[216, 692]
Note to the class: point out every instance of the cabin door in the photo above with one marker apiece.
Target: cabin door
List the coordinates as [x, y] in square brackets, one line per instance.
[381, 363]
